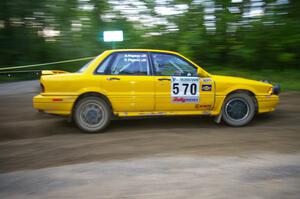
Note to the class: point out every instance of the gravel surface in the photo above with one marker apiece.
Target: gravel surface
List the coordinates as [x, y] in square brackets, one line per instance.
[44, 156]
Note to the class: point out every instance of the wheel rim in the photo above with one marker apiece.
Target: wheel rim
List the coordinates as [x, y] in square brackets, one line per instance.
[237, 109]
[92, 115]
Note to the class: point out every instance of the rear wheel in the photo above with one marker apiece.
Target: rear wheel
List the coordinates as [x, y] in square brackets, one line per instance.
[92, 114]
[238, 109]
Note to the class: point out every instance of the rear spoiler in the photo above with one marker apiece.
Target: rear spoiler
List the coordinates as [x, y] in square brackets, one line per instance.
[53, 72]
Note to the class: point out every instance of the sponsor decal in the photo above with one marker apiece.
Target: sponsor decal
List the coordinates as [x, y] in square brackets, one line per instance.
[206, 87]
[184, 99]
[185, 89]
[178, 99]
[141, 57]
[206, 79]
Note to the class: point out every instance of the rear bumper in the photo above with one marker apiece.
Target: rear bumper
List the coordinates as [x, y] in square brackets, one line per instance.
[267, 103]
[61, 105]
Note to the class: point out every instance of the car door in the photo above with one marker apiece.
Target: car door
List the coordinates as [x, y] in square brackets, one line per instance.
[178, 87]
[126, 77]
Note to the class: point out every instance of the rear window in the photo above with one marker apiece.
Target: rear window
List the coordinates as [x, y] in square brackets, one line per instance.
[85, 66]
[82, 69]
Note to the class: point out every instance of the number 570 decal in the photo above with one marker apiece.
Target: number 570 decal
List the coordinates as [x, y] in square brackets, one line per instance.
[185, 89]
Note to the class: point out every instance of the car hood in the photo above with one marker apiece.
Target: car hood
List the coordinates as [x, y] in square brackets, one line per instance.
[238, 80]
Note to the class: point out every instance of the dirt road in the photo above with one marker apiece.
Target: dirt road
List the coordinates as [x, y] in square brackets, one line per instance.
[43, 156]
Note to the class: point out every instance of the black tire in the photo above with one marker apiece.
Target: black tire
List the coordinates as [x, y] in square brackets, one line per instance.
[238, 109]
[92, 114]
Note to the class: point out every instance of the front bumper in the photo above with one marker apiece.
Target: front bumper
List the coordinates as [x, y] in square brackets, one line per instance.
[267, 103]
[60, 105]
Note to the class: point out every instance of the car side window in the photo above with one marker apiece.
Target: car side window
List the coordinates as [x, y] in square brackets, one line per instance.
[172, 65]
[129, 63]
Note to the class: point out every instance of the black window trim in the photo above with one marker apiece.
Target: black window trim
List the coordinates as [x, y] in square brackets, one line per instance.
[153, 67]
[114, 54]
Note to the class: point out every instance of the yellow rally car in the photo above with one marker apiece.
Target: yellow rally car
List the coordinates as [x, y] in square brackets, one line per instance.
[142, 82]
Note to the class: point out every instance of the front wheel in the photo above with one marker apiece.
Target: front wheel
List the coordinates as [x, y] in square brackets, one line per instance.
[92, 114]
[238, 109]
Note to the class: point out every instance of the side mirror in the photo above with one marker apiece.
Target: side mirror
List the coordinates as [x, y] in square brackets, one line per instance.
[201, 72]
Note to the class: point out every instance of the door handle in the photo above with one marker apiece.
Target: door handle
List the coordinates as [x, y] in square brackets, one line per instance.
[113, 78]
[164, 79]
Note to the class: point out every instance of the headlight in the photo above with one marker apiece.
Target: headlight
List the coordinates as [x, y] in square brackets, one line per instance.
[270, 92]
